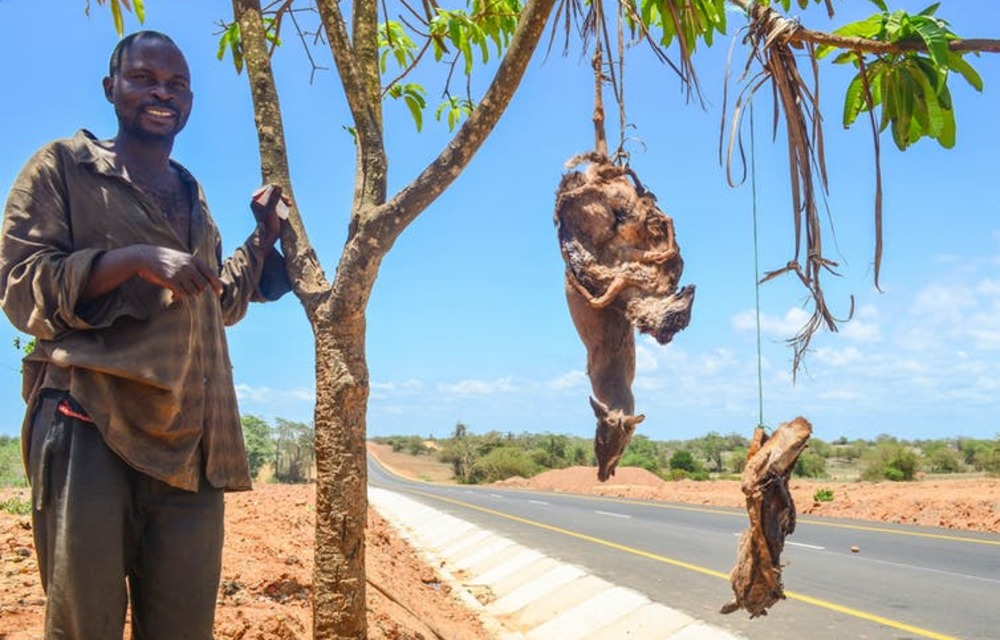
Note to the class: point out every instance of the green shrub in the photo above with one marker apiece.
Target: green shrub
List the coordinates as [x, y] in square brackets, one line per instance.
[944, 460]
[890, 461]
[502, 463]
[677, 474]
[737, 460]
[683, 460]
[11, 466]
[16, 506]
[810, 465]
[823, 495]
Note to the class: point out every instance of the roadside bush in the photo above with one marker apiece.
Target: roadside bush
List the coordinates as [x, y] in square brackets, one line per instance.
[676, 474]
[823, 495]
[810, 465]
[502, 463]
[737, 460]
[683, 460]
[11, 467]
[945, 460]
[989, 460]
[890, 461]
[16, 506]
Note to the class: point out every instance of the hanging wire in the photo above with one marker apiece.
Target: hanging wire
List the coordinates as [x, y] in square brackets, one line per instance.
[756, 270]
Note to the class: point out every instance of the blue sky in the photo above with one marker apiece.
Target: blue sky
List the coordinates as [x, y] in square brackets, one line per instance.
[468, 321]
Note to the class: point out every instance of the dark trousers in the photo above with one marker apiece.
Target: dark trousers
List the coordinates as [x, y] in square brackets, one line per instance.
[107, 535]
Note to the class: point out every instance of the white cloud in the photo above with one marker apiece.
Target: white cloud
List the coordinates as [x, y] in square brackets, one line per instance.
[269, 396]
[645, 358]
[838, 357]
[569, 380]
[477, 387]
[780, 327]
[860, 331]
[942, 304]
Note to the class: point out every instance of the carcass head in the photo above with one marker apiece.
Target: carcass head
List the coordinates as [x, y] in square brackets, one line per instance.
[614, 432]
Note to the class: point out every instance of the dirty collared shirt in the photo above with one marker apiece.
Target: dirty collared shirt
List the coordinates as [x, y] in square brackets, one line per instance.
[152, 373]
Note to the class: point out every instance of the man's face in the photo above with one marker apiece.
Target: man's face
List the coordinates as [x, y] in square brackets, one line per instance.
[152, 90]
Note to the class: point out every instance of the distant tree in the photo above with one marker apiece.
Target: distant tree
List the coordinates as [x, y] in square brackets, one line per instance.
[987, 458]
[641, 452]
[11, 466]
[460, 453]
[502, 463]
[294, 453]
[890, 461]
[259, 443]
[810, 465]
[684, 461]
[736, 461]
[944, 460]
[713, 446]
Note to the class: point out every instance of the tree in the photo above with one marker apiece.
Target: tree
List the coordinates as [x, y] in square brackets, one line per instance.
[713, 446]
[912, 57]
[260, 446]
[294, 453]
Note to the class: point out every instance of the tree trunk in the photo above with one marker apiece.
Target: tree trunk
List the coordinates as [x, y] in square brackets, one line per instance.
[336, 311]
[341, 491]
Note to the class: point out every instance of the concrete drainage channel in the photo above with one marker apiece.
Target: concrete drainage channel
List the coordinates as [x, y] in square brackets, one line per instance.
[524, 595]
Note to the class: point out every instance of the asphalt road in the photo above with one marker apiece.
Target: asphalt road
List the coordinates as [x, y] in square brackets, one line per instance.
[904, 582]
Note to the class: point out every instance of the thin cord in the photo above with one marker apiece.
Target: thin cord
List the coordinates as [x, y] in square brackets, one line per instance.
[756, 270]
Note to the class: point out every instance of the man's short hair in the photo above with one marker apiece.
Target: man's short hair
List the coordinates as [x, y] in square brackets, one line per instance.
[123, 45]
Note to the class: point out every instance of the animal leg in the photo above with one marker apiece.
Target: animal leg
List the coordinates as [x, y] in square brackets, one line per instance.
[617, 285]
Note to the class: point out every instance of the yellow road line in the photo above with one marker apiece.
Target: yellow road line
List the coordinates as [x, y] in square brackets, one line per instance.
[863, 615]
[813, 521]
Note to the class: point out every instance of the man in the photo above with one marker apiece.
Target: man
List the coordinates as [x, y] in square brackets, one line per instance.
[110, 258]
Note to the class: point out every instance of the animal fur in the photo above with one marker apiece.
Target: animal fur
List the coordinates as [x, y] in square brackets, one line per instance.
[623, 265]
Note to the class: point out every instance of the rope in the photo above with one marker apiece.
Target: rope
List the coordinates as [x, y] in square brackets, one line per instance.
[756, 270]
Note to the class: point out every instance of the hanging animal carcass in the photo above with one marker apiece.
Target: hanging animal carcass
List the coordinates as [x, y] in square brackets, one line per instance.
[622, 271]
[756, 578]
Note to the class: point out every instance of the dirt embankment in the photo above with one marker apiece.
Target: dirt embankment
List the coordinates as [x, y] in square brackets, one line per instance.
[955, 503]
[268, 558]
[267, 576]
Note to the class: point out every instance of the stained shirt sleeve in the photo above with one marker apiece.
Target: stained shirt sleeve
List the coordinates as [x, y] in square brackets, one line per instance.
[251, 275]
[41, 276]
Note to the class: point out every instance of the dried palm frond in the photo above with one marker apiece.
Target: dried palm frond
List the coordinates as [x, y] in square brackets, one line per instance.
[770, 37]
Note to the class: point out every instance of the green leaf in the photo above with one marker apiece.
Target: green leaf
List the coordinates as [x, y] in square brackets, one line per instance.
[896, 26]
[958, 63]
[880, 4]
[416, 110]
[935, 119]
[854, 101]
[934, 36]
[931, 10]
[947, 137]
[870, 28]
[231, 39]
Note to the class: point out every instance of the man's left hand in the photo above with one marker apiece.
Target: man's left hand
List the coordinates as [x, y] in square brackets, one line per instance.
[265, 205]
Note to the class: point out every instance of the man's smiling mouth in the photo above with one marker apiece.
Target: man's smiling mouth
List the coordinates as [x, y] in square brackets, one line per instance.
[160, 112]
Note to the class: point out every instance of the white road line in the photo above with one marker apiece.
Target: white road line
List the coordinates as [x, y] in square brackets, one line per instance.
[798, 544]
[541, 502]
[614, 515]
[497, 496]
[805, 546]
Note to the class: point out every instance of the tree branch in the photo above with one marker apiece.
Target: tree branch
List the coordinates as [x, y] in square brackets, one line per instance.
[356, 77]
[393, 217]
[310, 284]
[796, 33]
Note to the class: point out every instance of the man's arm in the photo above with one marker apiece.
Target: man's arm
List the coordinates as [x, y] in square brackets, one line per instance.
[182, 273]
[256, 271]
